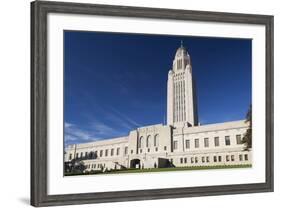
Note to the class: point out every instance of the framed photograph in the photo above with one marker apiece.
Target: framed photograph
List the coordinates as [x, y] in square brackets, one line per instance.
[131, 103]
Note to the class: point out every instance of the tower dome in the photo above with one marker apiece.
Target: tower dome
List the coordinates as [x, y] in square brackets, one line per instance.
[182, 59]
[181, 51]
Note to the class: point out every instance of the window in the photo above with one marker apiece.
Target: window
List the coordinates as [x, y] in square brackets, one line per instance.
[118, 151]
[227, 158]
[196, 143]
[203, 159]
[246, 157]
[86, 154]
[219, 158]
[196, 159]
[206, 142]
[175, 144]
[132, 151]
[141, 142]
[126, 150]
[217, 142]
[101, 153]
[148, 150]
[70, 156]
[240, 157]
[156, 149]
[148, 142]
[215, 158]
[238, 139]
[185, 160]
[77, 155]
[192, 160]
[187, 144]
[140, 150]
[156, 140]
[232, 157]
[165, 148]
[181, 160]
[94, 165]
[227, 140]
[81, 154]
[112, 152]
[106, 153]
[207, 159]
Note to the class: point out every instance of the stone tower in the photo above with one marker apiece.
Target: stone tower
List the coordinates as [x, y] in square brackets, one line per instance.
[181, 94]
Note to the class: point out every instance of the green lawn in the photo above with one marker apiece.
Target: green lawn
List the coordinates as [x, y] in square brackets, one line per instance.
[162, 169]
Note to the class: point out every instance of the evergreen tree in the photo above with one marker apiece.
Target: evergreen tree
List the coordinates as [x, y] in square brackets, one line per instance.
[247, 139]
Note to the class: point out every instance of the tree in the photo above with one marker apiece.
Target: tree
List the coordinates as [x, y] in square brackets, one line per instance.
[74, 166]
[247, 138]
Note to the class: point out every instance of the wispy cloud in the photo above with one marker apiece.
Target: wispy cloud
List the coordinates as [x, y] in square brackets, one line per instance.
[74, 134]
[104, 131]
[125, 118]
[95, 130]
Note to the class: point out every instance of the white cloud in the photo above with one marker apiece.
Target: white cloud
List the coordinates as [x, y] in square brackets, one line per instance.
[76, 134]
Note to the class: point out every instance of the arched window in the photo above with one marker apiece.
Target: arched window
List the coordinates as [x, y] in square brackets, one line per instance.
[148, 141]
[141, 142]
[156, 140]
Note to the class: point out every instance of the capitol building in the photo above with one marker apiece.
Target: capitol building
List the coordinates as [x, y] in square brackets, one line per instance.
[182, 142]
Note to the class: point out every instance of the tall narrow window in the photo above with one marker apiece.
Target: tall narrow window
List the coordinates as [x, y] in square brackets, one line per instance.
[70, 156]
[106, 153]
[240, 157]
[126, 150]
[227, 140]
[196, 143]
[156, 140]
[227, 158]
[141, 142]
[217, 141]
[175, 145]
[101, 153]
[112, 152]
[238, 139]
[81, 154]
[206, 142]
[187, 144]
[118, 151]
[215, 158]
[148, 142]
[191, 160]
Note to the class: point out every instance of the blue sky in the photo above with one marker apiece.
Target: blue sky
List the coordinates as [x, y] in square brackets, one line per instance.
[115, 82]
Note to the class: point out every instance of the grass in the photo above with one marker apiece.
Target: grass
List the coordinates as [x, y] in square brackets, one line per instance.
[162, 169]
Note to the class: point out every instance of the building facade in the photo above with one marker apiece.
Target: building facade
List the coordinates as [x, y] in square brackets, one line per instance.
[180, 143]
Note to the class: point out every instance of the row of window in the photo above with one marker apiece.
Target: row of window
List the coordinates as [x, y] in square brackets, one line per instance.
[93, 166]
[181, 63]
[101, 153]
[228, 158]
[148, 141]
[179, 101]
[148, 149]
[206, 142]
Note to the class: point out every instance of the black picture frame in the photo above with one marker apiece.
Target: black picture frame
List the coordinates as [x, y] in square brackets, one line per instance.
[39, 127]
